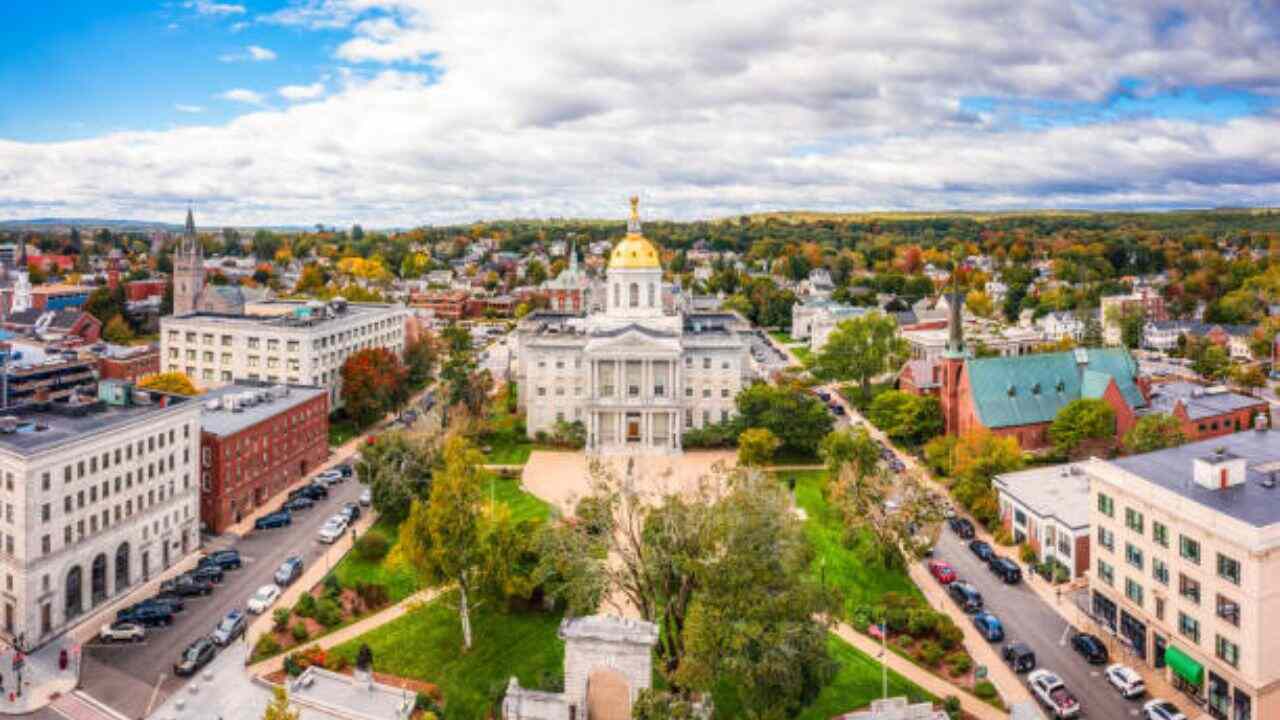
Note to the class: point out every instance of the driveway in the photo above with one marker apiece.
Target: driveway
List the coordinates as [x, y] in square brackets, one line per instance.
[1027, 618]
[125, 677]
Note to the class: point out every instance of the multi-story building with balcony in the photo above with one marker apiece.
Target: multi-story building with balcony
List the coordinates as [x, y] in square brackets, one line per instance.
[100, 494]
[637, 374]
[1186, 552]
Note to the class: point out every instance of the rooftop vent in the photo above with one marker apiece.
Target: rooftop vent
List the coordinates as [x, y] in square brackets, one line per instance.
[1011, 390]
[1082, 356]
[1035, 389]
[1219, 471]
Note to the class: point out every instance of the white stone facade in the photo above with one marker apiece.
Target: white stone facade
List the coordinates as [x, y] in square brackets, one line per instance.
[104, 501]
[637, 374]
[271, 343]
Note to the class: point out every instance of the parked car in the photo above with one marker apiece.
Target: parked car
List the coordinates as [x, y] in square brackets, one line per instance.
[942, 571]
[1090, 648]
[288, 571]
[316, 491]
[1126, 680]
[1005, 569]
[1161, 710]
[346, 470]
[366, 497]
[148, 615]
[982, 550]
[1020, 657]
[837, 408]
[273, 520]
[209, 573]
[333, 529]
[122, 632]
[298, 504]
[962, 527]
[231, 627]
[173, 604]
[350, 511]
[329, 478]
[824, 395]
[196, 656]
[186, 586]
[263, 599]
[225, 559]
[1053, 694]
[966, 596]
[989, 626]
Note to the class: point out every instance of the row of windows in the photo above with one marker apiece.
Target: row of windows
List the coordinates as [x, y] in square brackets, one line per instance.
[1228, 568]
[75, 532]
[254, 342]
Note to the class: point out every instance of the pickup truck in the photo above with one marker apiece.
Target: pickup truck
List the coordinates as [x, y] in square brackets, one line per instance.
[1053, 694]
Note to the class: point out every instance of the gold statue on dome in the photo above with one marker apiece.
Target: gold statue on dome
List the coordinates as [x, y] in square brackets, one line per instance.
[635, 207]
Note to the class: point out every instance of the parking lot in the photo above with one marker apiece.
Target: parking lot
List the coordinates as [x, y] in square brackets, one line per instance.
[130, 678]
[1027, 618]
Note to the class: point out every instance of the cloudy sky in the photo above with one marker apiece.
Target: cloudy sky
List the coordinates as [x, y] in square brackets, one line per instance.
[400, 112]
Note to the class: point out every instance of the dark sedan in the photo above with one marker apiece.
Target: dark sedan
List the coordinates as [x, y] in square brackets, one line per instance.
[965, 595]
[298, 504]
[962, 527]
[196, 656]
[982, 550]
[1090, 648]
[274, 520]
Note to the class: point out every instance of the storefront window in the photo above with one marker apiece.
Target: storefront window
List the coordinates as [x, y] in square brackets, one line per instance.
[1219, 697]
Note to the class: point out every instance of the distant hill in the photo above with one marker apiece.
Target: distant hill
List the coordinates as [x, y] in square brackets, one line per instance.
[120, 225]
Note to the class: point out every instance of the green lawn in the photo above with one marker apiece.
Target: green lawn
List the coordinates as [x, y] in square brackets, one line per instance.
[426, 644]
[505, 437]
[523, 505]
[802, 354]
[390, 572]
[782, 337]
[341, 430]
[837, 564]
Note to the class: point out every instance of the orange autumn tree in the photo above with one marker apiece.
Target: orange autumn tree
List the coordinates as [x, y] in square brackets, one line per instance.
[374, 381]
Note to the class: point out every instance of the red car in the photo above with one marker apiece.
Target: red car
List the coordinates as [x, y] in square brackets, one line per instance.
[942, 572]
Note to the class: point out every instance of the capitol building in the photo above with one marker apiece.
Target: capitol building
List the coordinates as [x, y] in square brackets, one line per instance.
[639, 373]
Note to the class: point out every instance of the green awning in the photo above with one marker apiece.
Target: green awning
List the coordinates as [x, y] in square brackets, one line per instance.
[1183, 665]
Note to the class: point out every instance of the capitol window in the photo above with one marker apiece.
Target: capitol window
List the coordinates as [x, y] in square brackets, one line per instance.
[634, 294]
[651, 293]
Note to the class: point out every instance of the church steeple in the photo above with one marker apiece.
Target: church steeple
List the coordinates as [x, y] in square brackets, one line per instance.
[955, 323]
[188, 269]
[190, 230]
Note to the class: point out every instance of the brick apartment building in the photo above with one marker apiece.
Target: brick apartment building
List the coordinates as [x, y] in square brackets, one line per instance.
[256, 440]
[129, 363]
[445, 305]
[1208, 412]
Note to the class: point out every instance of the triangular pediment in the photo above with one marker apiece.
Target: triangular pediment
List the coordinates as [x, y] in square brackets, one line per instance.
[634, 339]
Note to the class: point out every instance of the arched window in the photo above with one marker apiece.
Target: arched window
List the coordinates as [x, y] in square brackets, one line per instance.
[122, 567]
[98, 580]
[617, 294]
[635, 294]
[74, 604]
[651, 293]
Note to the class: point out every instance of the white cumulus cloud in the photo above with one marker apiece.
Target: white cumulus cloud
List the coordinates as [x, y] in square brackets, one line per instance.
[445, 110]
[209, 7]
[251, 53]
[242, 95]
[302, 92]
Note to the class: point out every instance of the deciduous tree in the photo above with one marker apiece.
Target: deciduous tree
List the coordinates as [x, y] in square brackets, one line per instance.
[850, 446]
[398, 471]
[1154, 432]
[794, 416]
[1080, 420]
[175, 383]
[756, 446]
[860, 349]
[374, 381]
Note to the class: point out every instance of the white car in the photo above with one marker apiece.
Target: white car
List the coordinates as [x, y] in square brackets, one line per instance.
[329, 477]
[263, 599]
[333, 529]
[1162, 710]
[1126, 680]
[122, 632]
[366, 497]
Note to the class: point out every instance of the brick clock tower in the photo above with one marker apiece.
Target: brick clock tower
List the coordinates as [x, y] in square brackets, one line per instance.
[953, 359]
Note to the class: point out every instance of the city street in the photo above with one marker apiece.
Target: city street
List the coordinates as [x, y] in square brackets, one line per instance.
[1027, 618]
[125, 677]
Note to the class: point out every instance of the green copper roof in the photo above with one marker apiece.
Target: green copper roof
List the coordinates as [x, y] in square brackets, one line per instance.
[1028, 389]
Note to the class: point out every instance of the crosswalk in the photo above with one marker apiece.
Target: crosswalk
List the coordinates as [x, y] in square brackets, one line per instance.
[76, 706]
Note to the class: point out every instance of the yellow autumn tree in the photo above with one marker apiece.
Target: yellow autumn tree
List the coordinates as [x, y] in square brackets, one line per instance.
[174, 383]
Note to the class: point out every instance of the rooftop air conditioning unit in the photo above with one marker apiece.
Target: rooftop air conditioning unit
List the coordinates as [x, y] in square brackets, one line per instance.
[213, 405]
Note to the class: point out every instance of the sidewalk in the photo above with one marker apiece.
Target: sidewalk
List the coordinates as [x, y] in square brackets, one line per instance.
[920, 676]
[355, 629]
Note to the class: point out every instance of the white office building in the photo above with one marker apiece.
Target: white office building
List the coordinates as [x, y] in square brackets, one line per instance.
[100, 495]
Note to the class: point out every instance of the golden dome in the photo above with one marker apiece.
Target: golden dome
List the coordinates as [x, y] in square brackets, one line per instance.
[635, 251]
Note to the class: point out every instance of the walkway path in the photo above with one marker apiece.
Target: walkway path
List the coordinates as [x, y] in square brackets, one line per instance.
[354, 630]
[918, 675]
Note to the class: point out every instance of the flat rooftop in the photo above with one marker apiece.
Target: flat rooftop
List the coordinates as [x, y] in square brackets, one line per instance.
[59, 424]
[1200, 402]
[1250, 502]
[1056, 491]
[222, 422]
[281, 314]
